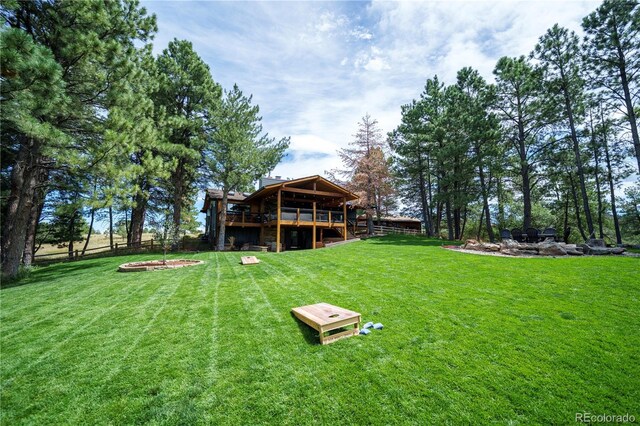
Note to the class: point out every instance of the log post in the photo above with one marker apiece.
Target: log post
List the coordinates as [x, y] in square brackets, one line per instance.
[344, 216]
[278, 221]
[313, 241]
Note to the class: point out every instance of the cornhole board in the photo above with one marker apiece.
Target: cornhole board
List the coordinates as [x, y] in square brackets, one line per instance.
[324, 317]
[249, 260]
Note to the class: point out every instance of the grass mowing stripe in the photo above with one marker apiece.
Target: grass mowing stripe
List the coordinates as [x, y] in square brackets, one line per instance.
[47, 353]
[212, 370]
[467, 339]
[48, 303]
[249, 272]
[133, 345]
[52, 306]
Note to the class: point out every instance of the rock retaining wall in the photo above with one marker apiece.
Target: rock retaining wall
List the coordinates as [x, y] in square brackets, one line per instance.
[544, 248]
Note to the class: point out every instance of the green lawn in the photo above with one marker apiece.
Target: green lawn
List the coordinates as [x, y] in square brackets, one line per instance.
[468, 339]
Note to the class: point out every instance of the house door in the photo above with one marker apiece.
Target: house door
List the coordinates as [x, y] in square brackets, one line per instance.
[297, 239]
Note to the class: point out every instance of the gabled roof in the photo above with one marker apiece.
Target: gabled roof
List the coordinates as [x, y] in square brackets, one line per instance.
[322, 186]
[216, 194]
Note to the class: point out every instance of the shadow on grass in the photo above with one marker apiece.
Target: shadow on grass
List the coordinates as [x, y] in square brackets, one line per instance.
[44, 274]
[411, 240]
[309, 334]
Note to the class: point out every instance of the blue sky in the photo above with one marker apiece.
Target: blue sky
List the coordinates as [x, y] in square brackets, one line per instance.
[315, 68]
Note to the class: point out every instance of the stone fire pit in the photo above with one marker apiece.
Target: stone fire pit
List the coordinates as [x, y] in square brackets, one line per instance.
[544, 248]
[153, 265]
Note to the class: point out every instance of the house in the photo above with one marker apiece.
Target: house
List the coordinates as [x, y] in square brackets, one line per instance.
[399, 222]
[284, 214]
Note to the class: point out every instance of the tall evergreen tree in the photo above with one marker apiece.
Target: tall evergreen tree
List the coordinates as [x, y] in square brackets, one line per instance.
[237, 152]
[188, 95]
[519, 103]
[612, 51]
[92, 43]
[558, 51]
[480, 127]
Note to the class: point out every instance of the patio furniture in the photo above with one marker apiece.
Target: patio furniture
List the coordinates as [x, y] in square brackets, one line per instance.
[505, 234]
[533, 235]
[548, 233]
[516, 233]
[324, 317]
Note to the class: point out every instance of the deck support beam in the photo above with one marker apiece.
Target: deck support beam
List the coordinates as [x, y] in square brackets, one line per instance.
[313, 241]
[278, 221]
[344, 216]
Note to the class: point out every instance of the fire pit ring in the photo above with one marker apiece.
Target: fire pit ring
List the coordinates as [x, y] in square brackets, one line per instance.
[155, 265]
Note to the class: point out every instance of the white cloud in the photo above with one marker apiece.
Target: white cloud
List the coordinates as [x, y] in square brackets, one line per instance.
[361, 33]
[293, 57]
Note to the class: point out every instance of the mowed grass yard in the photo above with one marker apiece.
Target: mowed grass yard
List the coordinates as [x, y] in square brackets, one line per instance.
[467, 339]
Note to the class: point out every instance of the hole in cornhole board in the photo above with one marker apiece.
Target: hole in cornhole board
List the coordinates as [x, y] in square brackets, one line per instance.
[249, 260]
[334, 316]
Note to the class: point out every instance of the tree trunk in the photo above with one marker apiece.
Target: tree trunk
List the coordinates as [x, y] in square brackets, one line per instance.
[178, 198]
[19, 203]
[596, 172]
[480, 225]
[576, 153]
[70, 230]
[138, 215]
[430, 194]
[576, 207]
[524, 169]
[86, 243]
[111, 227]
[34, 220]
[464, 223]
[612, 193]
[565, 231]
[500, 198]
[449, 219]
[423, 201]
[628, 101]
[485, 195]
[223, 219]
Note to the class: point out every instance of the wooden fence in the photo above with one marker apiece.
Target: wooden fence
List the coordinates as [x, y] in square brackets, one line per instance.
[118, 248]
[384, 230]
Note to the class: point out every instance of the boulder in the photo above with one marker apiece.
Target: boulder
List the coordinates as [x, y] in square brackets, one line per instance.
[508, 244]
[551, 249]
[470, 245]
[596, 242]
[490, 247]
[510, 251]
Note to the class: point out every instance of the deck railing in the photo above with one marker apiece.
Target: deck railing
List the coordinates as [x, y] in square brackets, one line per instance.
[306, 215]
[286, 213]
[244, 217]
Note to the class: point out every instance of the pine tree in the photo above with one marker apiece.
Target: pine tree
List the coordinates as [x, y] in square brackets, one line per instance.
[519, 103]
[92, 44]
[612, 53]
[188, 96]
[366, 169]
[559, 53]
[237, 151]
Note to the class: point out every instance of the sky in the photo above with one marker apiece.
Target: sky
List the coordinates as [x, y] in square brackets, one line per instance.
[316, 68]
